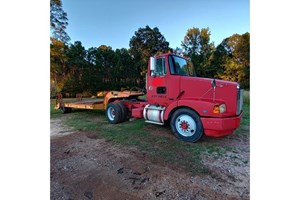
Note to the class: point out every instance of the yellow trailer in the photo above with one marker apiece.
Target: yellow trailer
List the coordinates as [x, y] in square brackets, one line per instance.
[98, 104]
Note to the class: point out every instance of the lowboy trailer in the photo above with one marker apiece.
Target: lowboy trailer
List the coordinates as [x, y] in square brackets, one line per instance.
[97, 104]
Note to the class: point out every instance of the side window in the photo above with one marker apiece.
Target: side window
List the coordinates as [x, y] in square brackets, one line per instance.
[160, 66]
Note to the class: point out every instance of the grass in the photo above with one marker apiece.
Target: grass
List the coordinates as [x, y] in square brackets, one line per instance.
[151, 139]
[54, 113]
[246, 97]
[246, 109]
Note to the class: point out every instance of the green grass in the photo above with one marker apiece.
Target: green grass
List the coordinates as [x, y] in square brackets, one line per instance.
[246, 109]
[246, 97]
[154, 140]
[54, 113]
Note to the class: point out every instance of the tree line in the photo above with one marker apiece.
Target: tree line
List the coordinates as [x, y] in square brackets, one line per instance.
[74, 69]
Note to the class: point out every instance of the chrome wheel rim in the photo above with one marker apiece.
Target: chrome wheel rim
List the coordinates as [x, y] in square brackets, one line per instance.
[111, 114]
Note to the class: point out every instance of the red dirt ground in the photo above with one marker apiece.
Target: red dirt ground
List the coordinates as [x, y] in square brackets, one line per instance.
[84, 166]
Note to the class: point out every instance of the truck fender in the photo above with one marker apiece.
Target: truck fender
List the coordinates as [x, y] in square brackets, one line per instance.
[191, 104]
[203, 108]
[169, 109]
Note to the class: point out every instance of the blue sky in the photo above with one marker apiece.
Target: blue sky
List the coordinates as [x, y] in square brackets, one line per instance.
[113, 22]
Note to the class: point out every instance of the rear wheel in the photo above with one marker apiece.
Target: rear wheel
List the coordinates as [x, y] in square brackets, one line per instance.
[113, 113]
[124, 111]
[186, 125]
[63, 109]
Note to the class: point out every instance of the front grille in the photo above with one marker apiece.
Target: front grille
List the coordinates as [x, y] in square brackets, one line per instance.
[239, 105]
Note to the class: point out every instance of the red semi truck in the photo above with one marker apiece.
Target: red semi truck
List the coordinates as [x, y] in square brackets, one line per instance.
[192, 105]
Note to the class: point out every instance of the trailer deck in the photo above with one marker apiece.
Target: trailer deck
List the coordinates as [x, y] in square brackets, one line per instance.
[97, 104]
[86, 104]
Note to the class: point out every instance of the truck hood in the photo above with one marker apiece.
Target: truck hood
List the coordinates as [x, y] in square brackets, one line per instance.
[202, 89]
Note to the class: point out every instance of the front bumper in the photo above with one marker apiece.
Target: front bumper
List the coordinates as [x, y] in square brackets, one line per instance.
[217, 127]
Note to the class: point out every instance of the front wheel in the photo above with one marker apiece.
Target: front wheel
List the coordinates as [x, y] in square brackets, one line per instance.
[186, 125]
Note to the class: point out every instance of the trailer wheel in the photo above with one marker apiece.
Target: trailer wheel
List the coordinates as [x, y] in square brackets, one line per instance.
[63, 109]
[186, 125]
[113, 113]
[124, 111]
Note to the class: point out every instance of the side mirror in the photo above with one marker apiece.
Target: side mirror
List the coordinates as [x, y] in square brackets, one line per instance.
[152, 66]
[213, 83]
[152, 63]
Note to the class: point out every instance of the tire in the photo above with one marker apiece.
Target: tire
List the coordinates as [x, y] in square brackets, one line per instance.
[186, 125]
[63, 109]
[124, 111]
[113, 113]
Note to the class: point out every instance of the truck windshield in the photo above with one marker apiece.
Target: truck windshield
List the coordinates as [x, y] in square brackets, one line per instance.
[180, 66]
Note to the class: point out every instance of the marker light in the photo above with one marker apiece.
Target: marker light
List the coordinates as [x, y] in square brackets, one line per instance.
[216, 109]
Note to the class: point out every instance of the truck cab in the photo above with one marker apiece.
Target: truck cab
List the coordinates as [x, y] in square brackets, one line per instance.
[192, 105]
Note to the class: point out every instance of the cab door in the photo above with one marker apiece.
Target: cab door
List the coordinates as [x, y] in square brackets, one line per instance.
[162, 88]
[157, 82]
[173, 83]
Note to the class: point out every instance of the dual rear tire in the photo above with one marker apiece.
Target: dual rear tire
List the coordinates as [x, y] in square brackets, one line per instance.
[116, 112]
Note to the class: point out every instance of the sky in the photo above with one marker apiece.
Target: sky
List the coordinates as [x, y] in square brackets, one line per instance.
[114, 22]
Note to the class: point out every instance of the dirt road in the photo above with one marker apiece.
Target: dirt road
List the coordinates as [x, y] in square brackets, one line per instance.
[84, 166]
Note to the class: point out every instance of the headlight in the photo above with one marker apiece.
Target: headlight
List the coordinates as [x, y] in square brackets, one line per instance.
[219, 108]
[222, 108]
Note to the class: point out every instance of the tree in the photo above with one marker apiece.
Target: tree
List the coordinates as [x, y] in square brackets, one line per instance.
[58, 65]
[192, 42]
[219, 57]
[104, 64]
[196, 44]
[243, 53]
[145, 43]
[124, 74]
[206, 50]
[58, 21]
[94, 73]
[77, 65]
[234, 58]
